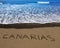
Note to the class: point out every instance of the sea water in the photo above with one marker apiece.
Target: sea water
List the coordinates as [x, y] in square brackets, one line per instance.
[30, 12]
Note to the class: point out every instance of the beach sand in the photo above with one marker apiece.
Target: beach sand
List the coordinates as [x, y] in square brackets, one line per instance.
[41, 37]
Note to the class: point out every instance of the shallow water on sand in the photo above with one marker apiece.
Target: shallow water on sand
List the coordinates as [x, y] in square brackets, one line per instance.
[29, 13]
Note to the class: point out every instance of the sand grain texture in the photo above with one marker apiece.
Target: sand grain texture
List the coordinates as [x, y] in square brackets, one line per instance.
[54, 32]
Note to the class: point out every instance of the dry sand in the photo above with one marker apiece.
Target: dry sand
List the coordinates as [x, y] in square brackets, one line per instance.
[27, 42]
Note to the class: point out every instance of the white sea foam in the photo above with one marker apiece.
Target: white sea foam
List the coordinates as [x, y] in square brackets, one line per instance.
[1, 3]
[40, 2]
[10, 14]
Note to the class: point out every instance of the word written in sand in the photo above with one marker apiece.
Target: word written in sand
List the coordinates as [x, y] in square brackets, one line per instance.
[27, 36]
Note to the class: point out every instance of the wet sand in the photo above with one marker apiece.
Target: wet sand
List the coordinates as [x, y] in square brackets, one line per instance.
[29, 25]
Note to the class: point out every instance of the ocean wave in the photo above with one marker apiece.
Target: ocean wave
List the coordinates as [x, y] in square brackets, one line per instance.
[29, 13]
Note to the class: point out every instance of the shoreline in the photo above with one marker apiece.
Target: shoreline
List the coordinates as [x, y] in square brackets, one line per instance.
[29, 25]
